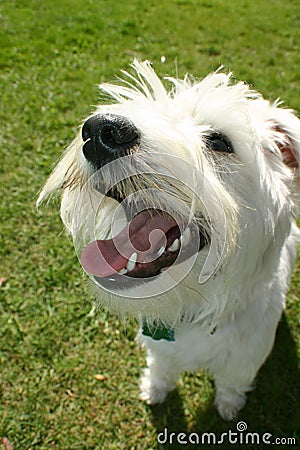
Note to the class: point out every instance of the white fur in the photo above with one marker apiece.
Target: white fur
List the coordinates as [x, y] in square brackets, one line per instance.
[244, 299]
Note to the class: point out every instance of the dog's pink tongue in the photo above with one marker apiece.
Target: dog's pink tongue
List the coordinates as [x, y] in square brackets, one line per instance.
[105, 258]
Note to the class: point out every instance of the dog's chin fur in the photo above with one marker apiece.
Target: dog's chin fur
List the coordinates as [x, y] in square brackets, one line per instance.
[227, 323]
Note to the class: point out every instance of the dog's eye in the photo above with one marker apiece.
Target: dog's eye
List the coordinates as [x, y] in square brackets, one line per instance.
[219, 143]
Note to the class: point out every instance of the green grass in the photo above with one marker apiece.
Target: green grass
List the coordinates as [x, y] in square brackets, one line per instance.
[52, 352]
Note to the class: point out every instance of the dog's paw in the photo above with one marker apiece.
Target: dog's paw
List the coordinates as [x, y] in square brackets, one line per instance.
[153, 390]
[229, 402]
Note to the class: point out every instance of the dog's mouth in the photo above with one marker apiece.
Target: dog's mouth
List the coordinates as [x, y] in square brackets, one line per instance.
[150, 243]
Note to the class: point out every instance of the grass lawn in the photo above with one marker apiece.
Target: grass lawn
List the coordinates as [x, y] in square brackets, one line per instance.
[69, 380]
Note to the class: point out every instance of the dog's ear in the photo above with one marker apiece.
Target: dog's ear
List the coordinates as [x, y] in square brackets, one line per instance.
[289, 149]
[287, 138]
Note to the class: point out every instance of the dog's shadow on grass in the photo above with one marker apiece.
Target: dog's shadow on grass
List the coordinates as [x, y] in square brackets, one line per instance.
[273, 407]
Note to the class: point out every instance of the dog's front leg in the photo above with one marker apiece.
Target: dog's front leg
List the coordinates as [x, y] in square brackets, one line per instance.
[161, 374]
[235, 368]
[229, 401]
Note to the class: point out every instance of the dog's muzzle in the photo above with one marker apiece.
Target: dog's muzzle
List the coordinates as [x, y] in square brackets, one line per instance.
[153, 240]
[108, 137]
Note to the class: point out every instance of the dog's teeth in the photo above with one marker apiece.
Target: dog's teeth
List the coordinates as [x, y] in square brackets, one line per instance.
[160, 251]
[185, 238]
[174, 246]
[123, 271]
[132, 261]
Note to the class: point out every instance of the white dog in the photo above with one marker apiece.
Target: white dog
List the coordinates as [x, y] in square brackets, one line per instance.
[182, 208]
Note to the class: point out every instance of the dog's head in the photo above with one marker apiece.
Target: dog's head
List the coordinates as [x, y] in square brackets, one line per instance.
[163, 185]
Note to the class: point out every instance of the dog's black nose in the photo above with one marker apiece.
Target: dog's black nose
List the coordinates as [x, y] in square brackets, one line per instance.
[108, 137]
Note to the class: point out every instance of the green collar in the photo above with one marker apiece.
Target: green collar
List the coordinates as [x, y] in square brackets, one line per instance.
[158, 331]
